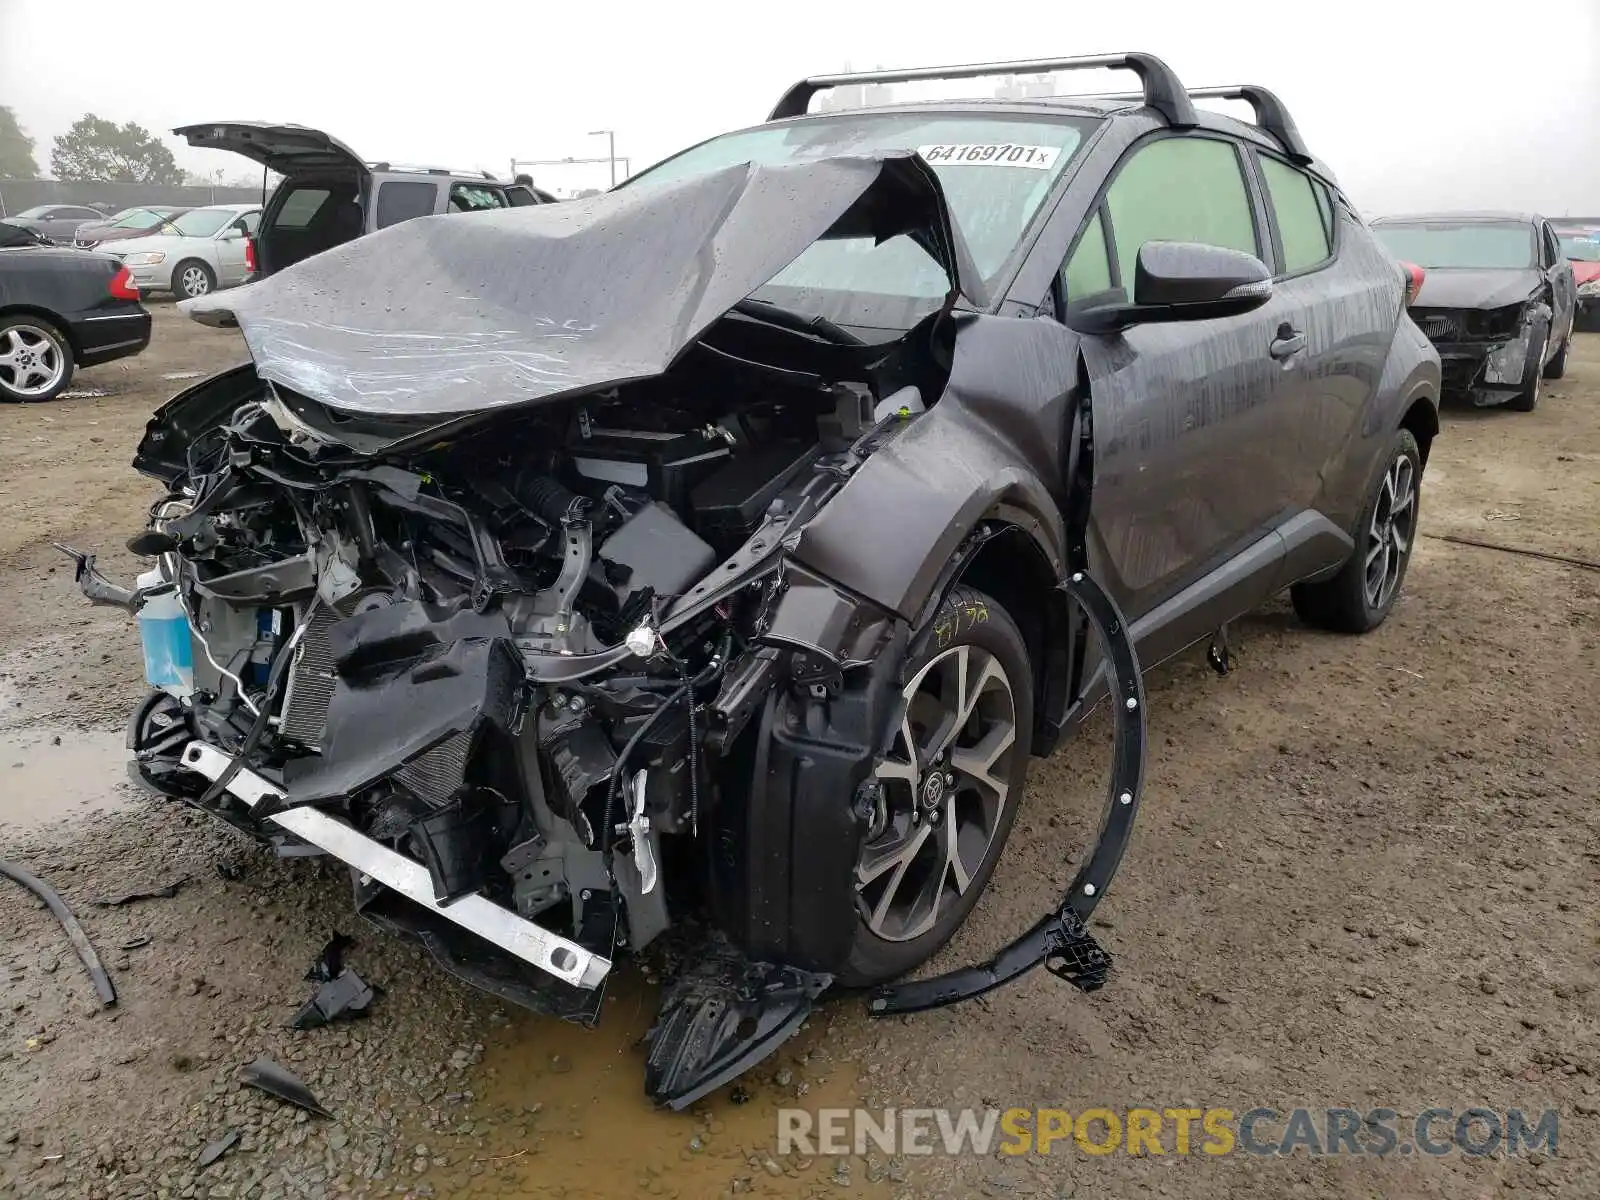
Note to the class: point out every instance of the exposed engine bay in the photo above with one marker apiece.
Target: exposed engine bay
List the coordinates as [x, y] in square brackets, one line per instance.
[557, 672]
[515, 659]
[471, 586]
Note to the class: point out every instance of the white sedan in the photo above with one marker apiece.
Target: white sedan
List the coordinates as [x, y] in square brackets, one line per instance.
[201, 251]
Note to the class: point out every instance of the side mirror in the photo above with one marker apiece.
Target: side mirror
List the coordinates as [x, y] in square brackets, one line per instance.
[1177, 281]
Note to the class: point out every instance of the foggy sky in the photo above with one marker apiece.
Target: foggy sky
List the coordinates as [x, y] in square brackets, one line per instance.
[1445, 104]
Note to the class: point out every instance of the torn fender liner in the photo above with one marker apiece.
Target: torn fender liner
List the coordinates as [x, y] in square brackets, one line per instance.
[440, 316]
[721, 1017]
[1061, 939]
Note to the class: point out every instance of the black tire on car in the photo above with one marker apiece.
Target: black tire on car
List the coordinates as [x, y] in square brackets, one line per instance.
[1527, 397]
[192, 278]
[1360, 596]
[942, 819]
[35, 359]
[1557, 366]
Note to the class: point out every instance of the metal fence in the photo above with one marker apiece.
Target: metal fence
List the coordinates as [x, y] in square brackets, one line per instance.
[19, 194]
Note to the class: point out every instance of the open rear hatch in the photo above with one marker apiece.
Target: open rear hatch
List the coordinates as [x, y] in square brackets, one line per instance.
[286, 149]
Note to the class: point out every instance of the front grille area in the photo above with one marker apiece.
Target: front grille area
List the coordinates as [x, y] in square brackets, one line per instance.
[1468, 324]
[311, 678]
[1441, 327]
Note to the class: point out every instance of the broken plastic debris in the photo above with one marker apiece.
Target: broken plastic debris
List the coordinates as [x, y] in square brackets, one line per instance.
[182, 375]
[267, 1075]
[347, 996]
[80, 940]
[216, 1148]
[165, 892]
[83, 393]
[330, 962]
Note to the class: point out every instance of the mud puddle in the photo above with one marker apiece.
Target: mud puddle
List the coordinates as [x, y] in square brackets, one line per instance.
[50, 773]
[563, 1113]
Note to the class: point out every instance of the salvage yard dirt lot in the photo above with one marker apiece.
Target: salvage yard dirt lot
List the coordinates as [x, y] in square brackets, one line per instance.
[1364, 875]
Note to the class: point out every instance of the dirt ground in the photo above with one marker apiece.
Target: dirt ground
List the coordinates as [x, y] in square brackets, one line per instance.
[1364, 874]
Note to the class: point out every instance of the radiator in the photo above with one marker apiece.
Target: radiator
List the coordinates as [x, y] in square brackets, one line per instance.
[311, 678]
[434, 776]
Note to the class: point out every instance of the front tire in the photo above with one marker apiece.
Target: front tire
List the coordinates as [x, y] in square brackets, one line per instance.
[1527, 399]
[950, 782]
[35, 360]
[1360, 597]
[1557, 366]
[192, 278]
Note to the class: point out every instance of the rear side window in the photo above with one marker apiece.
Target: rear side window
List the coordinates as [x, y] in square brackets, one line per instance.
[251, 221]
[1180, 189]
[468, 197]
[1089, 269]
[1302, 228]
[399, 201]
[300, 207]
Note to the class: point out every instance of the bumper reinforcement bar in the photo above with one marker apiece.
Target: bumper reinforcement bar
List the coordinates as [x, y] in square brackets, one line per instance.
[566, 960]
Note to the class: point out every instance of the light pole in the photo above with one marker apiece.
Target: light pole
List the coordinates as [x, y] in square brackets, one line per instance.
[611, 149]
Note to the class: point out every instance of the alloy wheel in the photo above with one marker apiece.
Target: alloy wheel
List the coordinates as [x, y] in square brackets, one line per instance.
[943, 789]
[194, 281]
[31, 360]
[1393, 527]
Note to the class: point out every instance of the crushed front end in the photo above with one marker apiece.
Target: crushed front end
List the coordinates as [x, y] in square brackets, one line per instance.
[1486, 354]
[566, 631]
[481, 673]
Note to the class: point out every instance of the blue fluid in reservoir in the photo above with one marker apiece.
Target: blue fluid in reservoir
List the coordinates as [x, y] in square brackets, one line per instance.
[164, 635]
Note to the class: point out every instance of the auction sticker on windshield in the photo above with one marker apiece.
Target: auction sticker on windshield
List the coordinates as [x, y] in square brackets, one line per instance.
[990, 154]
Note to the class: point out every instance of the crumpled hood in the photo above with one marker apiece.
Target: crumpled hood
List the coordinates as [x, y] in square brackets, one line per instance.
[1443, 288]
[464, 312]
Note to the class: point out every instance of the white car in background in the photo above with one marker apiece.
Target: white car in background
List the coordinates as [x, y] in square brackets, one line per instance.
[201, 251]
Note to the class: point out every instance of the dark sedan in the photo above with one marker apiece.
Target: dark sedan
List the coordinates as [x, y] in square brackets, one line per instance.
[61, 309]
[13, 235]
[1498, 300]
[129, 223]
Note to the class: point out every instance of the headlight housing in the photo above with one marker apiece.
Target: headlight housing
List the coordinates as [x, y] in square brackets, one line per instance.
[1509, 363]
[145, 258]
[1592, 288]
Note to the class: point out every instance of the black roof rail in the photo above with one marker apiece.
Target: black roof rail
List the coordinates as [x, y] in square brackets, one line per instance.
[1272, 116]
[1163, 91]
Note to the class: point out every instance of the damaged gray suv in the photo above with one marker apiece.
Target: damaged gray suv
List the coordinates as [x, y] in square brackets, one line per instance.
[706, 560]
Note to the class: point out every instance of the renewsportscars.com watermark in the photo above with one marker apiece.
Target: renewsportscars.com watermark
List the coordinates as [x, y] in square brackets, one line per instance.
[1265, 1132]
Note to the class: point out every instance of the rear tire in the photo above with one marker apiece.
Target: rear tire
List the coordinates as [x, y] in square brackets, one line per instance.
[1360, 597]
[192, 278]
[35, 359]
[943, 816]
